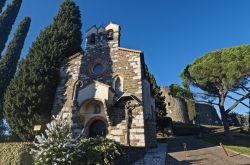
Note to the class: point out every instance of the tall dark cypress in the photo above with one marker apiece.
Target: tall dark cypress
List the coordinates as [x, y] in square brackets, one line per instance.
[160, 104]
[8, 64]
[7, 19]
[2, 3]
[29, 97]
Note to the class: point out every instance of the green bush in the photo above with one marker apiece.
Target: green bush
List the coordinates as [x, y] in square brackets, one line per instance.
[15, 154]
[100, 151]
[57, 147]
[181, 129]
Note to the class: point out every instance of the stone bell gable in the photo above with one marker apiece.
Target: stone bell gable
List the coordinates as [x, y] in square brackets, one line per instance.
[104, 90]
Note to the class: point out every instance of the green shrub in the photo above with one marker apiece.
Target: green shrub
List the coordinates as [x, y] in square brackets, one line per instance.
[15, 154]
[100, 151]
[57, 147]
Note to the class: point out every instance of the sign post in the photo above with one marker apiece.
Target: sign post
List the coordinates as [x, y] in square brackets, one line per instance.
[185, 148]
[37, 128]
[225, 151]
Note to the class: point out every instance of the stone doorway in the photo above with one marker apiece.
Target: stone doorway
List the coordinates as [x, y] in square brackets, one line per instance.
[97, 128]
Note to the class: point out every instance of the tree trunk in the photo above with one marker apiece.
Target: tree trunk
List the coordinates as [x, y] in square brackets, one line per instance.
[224, 115]
[249, 119]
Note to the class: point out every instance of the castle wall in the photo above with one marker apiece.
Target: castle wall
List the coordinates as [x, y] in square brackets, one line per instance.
[176, 107]
[207, 114]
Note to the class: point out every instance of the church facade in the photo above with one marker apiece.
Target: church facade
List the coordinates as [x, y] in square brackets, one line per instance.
[104, 91]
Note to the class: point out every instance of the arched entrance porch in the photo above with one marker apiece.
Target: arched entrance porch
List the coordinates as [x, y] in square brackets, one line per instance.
[93, 118]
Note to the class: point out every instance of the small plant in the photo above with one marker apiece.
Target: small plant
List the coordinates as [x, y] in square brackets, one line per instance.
[57, 146]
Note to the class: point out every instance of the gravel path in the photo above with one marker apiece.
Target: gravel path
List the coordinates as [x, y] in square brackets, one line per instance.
[200, 153]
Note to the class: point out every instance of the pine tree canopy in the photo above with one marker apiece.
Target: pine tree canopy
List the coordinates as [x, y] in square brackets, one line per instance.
[2, 3]
[8, 63]
[29, 97]
[177, 91]
[222, 74]
[7, 19]
[225, 69]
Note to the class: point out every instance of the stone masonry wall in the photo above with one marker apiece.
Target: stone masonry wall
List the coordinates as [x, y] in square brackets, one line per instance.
[176, 108]
[69, 74]
[207, 114]
[63, 102]
[127, 64]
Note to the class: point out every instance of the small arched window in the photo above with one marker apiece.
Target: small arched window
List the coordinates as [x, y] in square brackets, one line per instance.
[92, 39]
[110, 34]
[118, 85]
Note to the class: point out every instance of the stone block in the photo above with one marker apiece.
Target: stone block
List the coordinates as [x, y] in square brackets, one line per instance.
[139, 130]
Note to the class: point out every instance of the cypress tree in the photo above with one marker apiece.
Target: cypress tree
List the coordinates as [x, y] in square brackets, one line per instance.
[157, 94]
[2, 3]
[30, 95]
[8, 64]
[7, 19]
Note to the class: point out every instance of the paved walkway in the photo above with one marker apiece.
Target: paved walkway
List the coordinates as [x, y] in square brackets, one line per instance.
[200, 153]
[154, 156]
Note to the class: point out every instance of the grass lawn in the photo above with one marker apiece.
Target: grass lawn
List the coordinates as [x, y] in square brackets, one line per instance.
[244, 130]
[212, 126]
[234, 145]
[160, 138]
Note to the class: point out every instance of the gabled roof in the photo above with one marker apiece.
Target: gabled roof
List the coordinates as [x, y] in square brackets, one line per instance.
[130, 50]
[128, 96]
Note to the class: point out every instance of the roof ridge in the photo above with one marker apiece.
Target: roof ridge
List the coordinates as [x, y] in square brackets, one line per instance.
[130, 50]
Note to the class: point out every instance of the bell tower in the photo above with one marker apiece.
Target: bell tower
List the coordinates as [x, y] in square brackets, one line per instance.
[104, 36]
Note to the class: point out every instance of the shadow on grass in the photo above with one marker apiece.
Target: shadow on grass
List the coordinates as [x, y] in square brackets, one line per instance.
[238, 144]
[172, 161]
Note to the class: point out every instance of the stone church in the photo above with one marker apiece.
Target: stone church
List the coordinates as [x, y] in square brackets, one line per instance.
[104, 91]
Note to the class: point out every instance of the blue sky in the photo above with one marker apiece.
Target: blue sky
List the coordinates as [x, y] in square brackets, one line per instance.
[172, 33]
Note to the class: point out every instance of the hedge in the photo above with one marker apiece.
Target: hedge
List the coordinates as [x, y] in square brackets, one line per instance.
[181, 129]
[15, 154]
